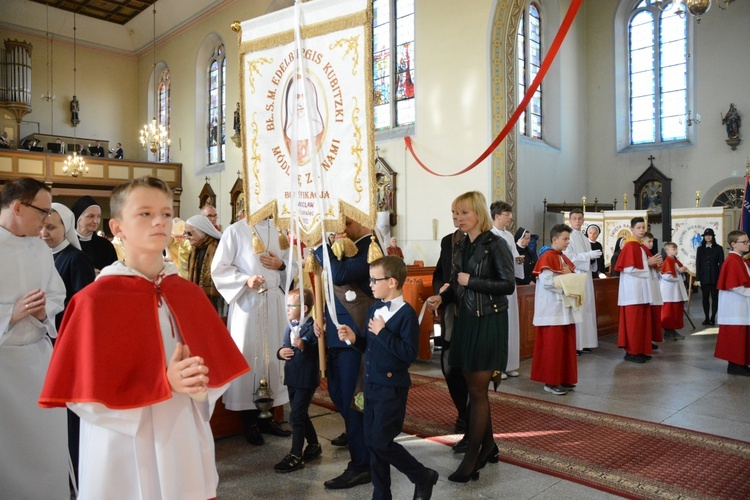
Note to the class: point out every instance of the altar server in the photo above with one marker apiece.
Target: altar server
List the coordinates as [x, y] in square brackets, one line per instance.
[673, 293]
[733, 342]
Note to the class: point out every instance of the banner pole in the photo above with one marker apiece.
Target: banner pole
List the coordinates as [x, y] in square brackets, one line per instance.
[320, 318]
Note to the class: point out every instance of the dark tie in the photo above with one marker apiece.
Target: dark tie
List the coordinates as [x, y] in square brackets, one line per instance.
[387, 305]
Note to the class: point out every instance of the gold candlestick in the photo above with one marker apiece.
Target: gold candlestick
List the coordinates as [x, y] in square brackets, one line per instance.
[583, 198]
[697, 198]
[624, 201]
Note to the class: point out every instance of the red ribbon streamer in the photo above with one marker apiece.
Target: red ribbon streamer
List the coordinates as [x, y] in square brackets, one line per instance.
[548, 59]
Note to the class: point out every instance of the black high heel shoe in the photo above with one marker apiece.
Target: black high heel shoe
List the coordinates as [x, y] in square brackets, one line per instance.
[493, 457]
[459, 478]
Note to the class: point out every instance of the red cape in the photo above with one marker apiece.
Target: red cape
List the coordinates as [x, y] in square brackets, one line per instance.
[733, 273]
[109, 349]
[670, 265]
[631, 256]
[551, 260]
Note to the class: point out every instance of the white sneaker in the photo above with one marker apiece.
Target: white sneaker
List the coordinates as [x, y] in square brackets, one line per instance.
[513, 373]
[503, 376]
[557, 390]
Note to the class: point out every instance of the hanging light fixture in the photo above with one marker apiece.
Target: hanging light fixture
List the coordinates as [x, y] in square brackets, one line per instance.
[695, 8]
[48, 94]
[154, 135]
[74, 164]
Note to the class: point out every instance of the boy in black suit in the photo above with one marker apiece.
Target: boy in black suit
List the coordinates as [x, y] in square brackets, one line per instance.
[390, 346]
[302, 377]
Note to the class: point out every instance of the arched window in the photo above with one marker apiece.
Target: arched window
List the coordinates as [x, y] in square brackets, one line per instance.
[657, 74]
[529, 62]
[165, 112]
[393, 85]
[217, 68]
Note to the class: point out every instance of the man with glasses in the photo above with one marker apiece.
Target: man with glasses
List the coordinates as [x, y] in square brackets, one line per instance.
[88, 215]
[31, 294]
[210, 211]
[733, 342]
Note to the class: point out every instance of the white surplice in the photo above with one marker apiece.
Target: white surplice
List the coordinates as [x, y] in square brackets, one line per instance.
[514, 334]
[587, 335]
[161, 451]
[253, 317]
[33, 440]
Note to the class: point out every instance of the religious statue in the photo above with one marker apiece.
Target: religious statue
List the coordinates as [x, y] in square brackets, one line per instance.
[732, 122]
[237, 123]
[74, 107]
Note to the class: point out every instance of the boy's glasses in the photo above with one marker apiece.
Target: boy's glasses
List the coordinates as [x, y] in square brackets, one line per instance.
[188, 233]
[292, 306]
[375, 280]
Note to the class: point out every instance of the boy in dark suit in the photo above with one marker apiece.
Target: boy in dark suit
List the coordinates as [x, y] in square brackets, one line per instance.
[301, 376]
[390, 346]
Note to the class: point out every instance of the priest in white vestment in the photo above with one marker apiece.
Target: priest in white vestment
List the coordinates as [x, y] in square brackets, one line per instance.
[502, 216]
[252, 284]
[580, 253]
[33, 441]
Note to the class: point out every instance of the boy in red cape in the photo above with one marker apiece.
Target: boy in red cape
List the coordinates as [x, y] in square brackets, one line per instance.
[673, 293]
[555, 362]
[636, 295]
[132, 360]
[733, 342]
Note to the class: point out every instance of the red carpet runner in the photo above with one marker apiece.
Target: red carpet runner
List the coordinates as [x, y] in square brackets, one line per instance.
[620, 455]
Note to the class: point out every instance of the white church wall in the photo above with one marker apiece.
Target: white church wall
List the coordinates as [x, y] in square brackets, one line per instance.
[722, 69]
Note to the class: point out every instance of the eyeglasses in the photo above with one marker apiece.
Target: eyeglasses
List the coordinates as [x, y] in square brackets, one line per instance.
[743, 242]
[375, 280]
[293, 306]
[188, 233]
[212, 216]
[45, 213]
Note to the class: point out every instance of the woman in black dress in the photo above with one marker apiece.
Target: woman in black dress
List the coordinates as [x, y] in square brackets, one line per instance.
[708, 260]
[481, 278]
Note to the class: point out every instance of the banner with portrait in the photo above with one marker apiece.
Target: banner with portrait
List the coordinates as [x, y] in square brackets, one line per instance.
[616, 226]
[307, 126]
[689, 224]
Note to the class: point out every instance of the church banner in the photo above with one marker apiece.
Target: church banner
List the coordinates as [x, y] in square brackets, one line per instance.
[307, 126]
[616, 226]
[689, 224]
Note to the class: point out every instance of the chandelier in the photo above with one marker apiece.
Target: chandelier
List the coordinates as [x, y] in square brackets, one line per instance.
[695, 8]
[74, 164]
[154, 135]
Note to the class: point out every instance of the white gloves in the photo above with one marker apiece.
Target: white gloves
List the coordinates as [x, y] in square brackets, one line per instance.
[594, 254]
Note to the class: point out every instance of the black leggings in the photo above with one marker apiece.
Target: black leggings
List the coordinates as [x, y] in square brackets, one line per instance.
[710, 291]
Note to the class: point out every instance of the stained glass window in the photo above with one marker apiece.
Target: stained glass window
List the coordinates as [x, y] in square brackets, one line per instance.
[393, 63]
[529, 48]
[657, 46]
[165, 111]
[216, 124]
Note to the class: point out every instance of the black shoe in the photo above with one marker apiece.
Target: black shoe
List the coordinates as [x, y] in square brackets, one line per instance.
[706, 322]
[461, 446]
[654, 346]
[578, 353]
[312, 451]
[644, 357]
[289, 463]
[493, 457]
[586, 350]
[634, 358]
[273, 428]
[460, 426]
[423, 491]
[349, 479]
[458, 478]
[568, 387]
[712, 322]
[735, 369]
[253, 435]
[341, 440]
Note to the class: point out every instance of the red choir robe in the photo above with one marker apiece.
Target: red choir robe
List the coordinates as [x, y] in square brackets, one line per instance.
[637, 322]
[733, 341]
[672, 311]
[555, 362]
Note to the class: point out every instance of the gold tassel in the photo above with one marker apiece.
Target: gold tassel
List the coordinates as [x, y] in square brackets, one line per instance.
[283, 242]
[374, 252]
[344, 247]
[258, 246]
[311, 264]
